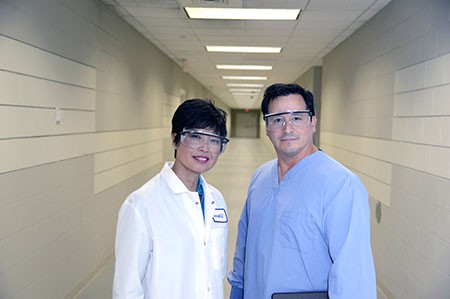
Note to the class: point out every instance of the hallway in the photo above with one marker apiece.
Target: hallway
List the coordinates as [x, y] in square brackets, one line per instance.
[231, 176]
[86, 102]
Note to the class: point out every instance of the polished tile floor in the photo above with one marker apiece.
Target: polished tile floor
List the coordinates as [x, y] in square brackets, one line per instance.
[232, 175]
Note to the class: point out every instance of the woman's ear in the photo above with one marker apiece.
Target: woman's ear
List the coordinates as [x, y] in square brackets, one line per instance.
[173, 136]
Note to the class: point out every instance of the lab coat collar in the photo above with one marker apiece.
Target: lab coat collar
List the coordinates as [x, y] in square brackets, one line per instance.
[174, 182]
[177, 187]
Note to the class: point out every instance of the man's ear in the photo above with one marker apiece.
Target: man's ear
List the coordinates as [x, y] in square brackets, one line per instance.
[314, 123]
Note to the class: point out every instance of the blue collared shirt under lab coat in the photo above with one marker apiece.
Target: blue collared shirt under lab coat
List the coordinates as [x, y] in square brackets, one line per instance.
[310, 232]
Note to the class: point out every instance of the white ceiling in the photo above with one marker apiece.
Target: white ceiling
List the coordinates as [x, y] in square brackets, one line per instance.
[321, 26]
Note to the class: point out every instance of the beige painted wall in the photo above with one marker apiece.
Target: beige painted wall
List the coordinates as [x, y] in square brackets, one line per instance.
[386, 115]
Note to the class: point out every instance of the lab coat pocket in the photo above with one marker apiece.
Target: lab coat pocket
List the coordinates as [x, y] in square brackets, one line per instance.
[297, 231]
[219, 248]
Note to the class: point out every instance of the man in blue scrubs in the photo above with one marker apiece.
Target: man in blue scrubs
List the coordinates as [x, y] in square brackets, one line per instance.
[306, 223]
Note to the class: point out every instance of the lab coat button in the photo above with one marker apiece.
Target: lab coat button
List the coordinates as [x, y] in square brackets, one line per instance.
[209, 289]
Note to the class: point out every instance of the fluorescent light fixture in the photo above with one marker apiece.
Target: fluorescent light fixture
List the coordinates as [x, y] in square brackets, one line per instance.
[244, 78]
[244, 67]
[242, 13]
[245, 90]
[239, 49]
[244, 85]
[242, 94]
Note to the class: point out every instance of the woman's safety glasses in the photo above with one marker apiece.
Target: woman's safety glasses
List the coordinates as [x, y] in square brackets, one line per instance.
[196, 139]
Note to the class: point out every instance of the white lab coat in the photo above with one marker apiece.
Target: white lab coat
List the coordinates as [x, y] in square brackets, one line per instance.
[164, 249]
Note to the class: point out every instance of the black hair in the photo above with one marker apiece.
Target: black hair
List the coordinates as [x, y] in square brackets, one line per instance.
[198, 114]
[281, 89]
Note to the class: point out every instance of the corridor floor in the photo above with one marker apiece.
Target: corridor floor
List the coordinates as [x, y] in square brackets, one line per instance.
[232, 175]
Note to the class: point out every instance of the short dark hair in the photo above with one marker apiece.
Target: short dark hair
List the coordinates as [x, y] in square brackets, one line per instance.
[199, 114]
[282, 89]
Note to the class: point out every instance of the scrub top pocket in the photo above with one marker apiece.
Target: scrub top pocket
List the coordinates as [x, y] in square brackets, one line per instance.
[297, 231]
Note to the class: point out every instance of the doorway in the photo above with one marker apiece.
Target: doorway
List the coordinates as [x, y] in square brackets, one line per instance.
[245, 123]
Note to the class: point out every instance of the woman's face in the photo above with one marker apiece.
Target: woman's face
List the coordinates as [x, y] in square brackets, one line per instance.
[194, 155]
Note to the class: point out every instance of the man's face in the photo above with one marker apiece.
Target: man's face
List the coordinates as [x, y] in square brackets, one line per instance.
[291, 142]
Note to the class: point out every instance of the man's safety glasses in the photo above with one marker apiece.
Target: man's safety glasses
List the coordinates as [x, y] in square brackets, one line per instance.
[196, 139]
[296, 118]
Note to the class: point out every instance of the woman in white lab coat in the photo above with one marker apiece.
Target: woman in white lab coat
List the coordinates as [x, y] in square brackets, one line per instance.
[171, 239]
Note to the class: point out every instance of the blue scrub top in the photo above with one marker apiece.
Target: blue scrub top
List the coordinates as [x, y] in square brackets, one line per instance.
[309, 232]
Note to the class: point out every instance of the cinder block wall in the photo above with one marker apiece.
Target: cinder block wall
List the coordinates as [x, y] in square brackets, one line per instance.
[386, 114]
[85, 109]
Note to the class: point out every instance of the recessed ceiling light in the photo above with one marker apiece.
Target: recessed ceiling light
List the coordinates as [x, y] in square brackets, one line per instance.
[244, 67]
[244, 85]
[242, 13]
[244, 78]
[238, 49]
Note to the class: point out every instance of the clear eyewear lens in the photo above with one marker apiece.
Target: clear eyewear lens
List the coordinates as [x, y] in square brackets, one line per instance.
[277, 121]
[196, 140]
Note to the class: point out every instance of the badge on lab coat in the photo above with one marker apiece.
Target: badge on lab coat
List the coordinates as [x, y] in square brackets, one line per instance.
[220, 216]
